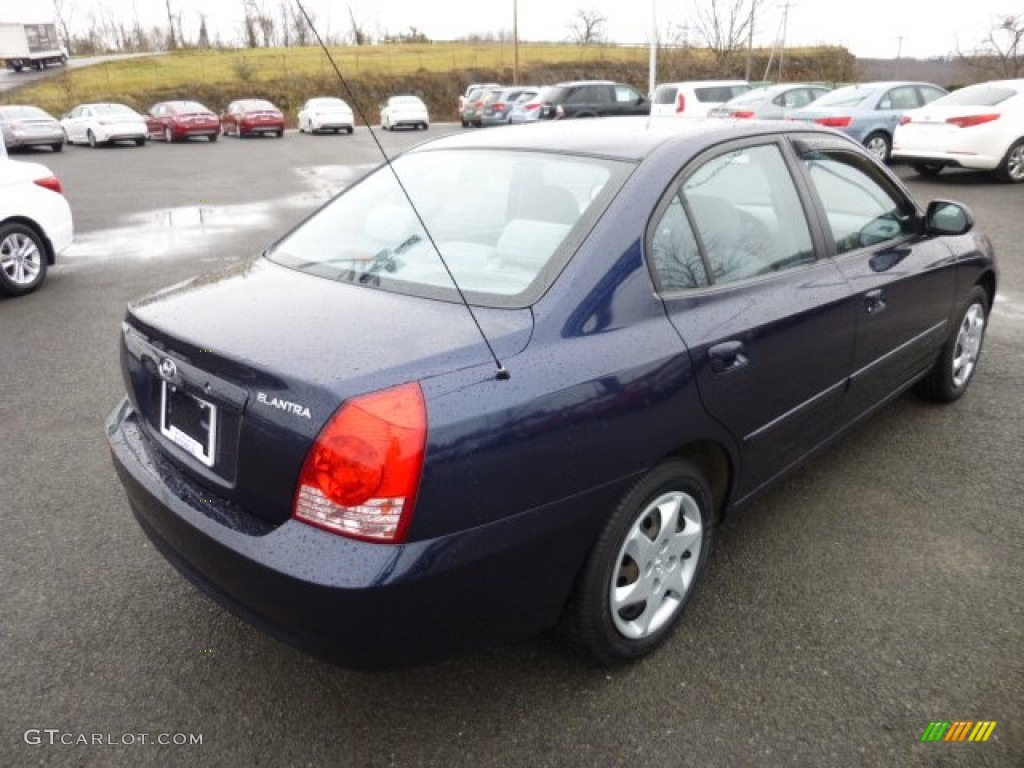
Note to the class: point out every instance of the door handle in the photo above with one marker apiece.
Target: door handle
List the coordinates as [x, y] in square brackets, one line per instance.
[874, 301]
[728, 356]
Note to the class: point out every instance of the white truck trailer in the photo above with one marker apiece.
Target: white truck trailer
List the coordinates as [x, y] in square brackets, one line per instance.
[30, 45]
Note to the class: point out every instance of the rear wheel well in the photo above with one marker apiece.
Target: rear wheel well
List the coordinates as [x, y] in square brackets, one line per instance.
[47, 245]
[714, 463]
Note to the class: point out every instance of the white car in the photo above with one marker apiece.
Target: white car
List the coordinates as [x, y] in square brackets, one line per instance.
[96, 124]
[326, 113]
[35, 224]
[979, 127]
[404, 111]
[695, 98]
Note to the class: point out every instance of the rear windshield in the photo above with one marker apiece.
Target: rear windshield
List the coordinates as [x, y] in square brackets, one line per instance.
[850, 96]
[720, 93]
[113, 109]
[503, 243]
[983, 95]
[254, 105]
[187, 106]
[552, 94]
[24, 113]
[665, 94]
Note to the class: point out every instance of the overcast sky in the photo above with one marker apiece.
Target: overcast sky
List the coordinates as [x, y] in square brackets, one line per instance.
[869, 28]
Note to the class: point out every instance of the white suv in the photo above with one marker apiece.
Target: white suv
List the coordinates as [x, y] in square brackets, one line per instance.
[695, 98]
[35, 224]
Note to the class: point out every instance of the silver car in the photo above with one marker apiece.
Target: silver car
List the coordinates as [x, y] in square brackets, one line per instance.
[771, 103]
[27, 126]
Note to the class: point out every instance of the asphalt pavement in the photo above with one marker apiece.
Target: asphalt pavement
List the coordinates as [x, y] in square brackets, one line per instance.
[874, 591]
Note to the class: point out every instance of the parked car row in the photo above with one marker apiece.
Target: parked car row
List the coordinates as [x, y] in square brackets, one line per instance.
[179, 120]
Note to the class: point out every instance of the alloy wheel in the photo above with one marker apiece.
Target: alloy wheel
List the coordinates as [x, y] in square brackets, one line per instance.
[968, 344]
[656, 565]
[20, 258]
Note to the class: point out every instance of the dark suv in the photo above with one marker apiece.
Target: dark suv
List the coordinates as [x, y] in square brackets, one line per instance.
[591, 98]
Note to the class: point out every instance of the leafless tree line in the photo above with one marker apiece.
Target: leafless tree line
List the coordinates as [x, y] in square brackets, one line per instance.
[723, 27]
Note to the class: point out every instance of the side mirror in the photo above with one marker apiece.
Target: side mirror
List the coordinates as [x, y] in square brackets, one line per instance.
[945, 217]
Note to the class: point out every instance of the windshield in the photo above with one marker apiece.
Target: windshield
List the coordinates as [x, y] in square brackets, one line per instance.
[850, 96]
[500, 241]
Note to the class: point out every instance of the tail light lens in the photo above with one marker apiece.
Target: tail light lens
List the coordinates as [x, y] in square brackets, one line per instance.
[532, 106]
[361, 476]
[499, 106]
[680, 102]
[904, 119]
[834, 122]
[972, 120]
[50, 182]
[743, 115]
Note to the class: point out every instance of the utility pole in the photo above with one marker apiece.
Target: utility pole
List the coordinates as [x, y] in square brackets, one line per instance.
[652, 66]
[899, 52]
[515, 42]
[750, 40]
[782, 48]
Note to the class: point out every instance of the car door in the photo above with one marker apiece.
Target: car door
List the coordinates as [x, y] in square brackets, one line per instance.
[892, 104]
[768, 323]
[903, 283]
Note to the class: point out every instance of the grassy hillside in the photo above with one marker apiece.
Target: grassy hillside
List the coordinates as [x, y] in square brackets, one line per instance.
[439, 72]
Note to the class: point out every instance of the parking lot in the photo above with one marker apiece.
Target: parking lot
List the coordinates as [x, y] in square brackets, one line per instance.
[877, 589]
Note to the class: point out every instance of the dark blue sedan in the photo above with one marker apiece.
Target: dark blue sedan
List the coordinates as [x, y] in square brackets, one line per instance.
[385, 456]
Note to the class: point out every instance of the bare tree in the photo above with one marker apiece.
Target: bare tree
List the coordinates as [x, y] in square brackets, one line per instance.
[204, 34]
[65, 13]
[171, 42]
[359, 34]
[587, 27]
[725, 26]
[1002, 51]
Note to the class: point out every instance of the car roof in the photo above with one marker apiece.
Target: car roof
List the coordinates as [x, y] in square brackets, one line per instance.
[624, 138]
[569, 83]
[702, 83]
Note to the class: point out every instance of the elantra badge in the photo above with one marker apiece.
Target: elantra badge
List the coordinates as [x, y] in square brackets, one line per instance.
[284, 405]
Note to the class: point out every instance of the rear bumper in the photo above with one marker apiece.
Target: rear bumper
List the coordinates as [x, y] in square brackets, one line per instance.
[361, 604]
[947, 159]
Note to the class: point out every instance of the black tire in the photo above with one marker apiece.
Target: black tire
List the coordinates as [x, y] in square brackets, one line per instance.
[280, 134]
[57, 146]
[591, 619]
[880, 145]
[928, 169]
[350, 130]
[213, 137]
[13, 279]
[1011, 168]
[91, 137]
[952, 372]
[140, 142]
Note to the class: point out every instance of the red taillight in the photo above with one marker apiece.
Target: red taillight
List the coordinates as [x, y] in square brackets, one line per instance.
[743, 115]
[834, 122]
[532, 106]
[478, 104]
[361, 475]
[499, 106]
[904, 119]
[680, 102]
[52, 183]
[972, 120]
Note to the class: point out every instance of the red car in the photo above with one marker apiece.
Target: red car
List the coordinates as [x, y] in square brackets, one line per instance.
[179, 120]
[247, 117]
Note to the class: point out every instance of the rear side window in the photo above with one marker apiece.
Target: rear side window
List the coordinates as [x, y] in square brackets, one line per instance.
[862, 210]
[903, 97]
[720, 93]
[665, 94]
[743, 219]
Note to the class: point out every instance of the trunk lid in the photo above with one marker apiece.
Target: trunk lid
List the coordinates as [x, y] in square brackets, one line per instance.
[262, 355]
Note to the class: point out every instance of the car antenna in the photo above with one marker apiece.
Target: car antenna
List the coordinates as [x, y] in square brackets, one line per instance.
[502, 373]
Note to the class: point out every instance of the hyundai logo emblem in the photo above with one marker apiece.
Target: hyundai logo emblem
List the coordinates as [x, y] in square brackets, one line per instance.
[168, 370]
